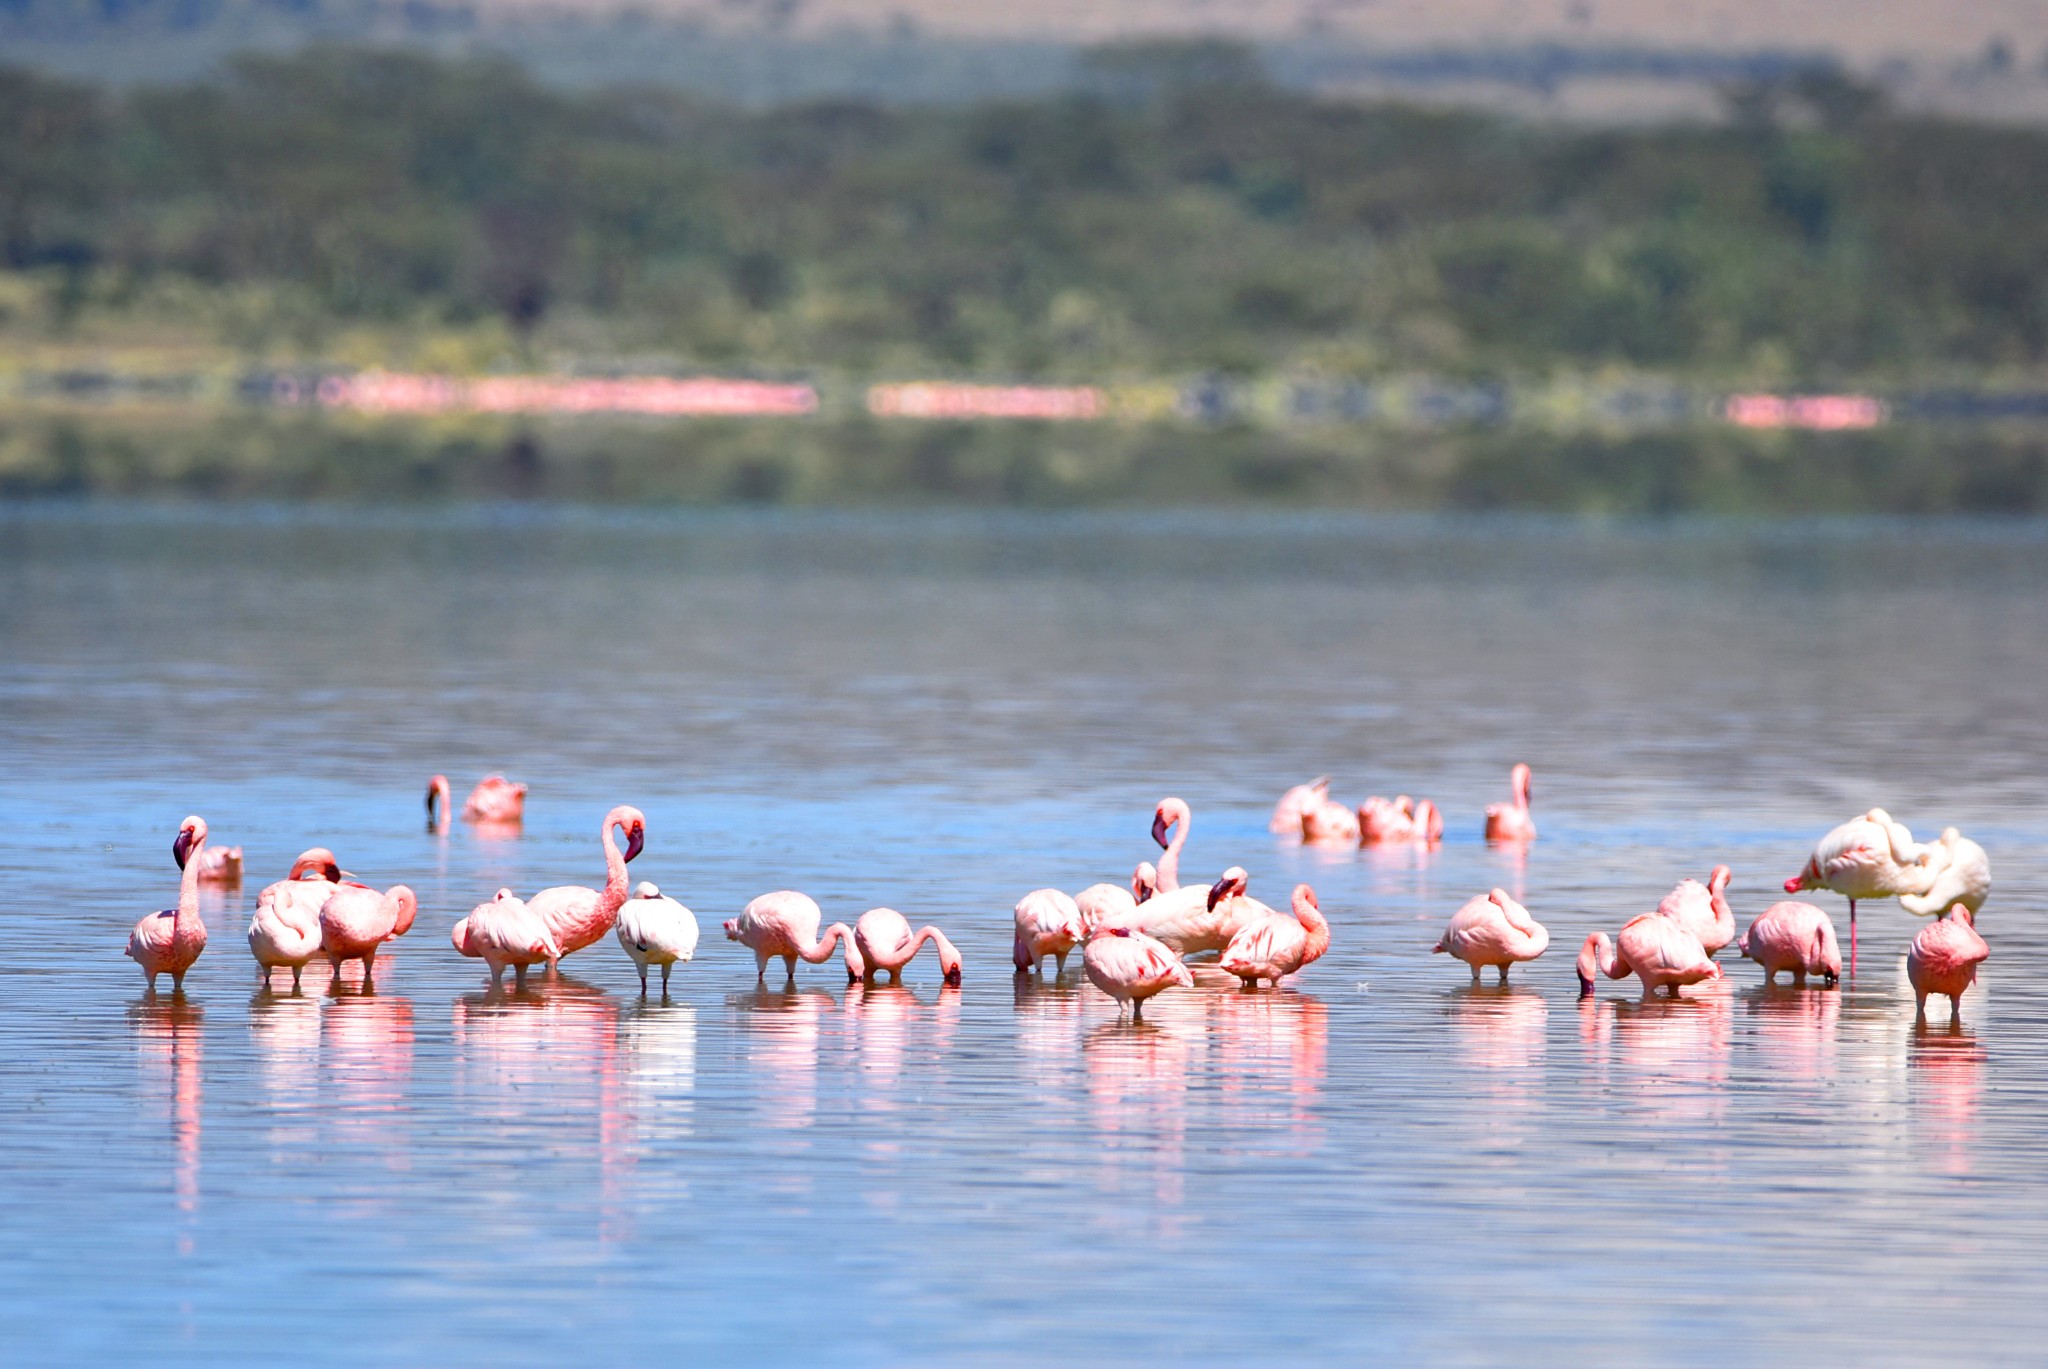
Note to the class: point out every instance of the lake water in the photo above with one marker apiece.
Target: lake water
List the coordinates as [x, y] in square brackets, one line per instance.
[939, 712]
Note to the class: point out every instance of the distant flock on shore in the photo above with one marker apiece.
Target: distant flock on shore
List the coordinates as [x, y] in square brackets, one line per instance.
[1136, 940]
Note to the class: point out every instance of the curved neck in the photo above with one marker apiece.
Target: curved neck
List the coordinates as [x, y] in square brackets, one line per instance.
[819, 951]
[614, 894]
[1315, 924]
[937, 938]
[188, 887]
[1608, 956]
[1169, 863]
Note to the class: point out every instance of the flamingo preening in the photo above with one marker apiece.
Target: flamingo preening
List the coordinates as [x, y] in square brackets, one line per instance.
[1385, 822]
[356, 920]
[170, 941]
[656, 931]
[1944, 958]
[1493, 929]
[284, 932]
[1048, 923]
[1131, 967]
[1868, 857]
[1274, 947]
[1296, 802]
[1702, 909]
[1100, 902]
[505, 932]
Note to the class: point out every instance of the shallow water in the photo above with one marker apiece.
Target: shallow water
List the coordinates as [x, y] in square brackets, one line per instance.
[940, 712]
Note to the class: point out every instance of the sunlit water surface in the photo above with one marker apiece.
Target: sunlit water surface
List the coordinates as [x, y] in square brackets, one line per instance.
[939, 713]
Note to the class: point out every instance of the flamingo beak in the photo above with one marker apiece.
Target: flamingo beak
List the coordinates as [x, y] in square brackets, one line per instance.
[1218, 891]
[1792, 885]
[181, 848]
[1585, 987]
[953, 976]
[431, 794]
[636, 838]
[1160, 827]
[732, 929]
[332, 872]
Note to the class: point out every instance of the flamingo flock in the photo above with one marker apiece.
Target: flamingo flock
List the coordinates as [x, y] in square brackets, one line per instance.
[1137, 940]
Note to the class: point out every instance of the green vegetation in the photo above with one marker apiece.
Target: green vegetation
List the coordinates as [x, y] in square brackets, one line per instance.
[381, 207]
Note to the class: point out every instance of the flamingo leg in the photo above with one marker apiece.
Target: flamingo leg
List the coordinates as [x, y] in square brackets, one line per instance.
[666, 966]
[1852, 938]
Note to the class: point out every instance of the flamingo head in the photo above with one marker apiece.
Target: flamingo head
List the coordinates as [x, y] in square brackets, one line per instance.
[1807, 878]
[1959, 912]
[949, 963]
[634, 825]
[1144, 881]
[1233, 884]
[1162, 823]
[646, 889]
[732, 929]
[1590, 956]
[1519, 782]
[1719, 880]
[405, 907]
[191, 832]
[437, 794]
[317, 862]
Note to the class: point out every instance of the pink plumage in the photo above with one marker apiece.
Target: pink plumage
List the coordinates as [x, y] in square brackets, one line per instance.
[1793, 936]
[1511, 821]
[1131, 967]
[1944, 958]
[1048, 923]
[1272, 948]
[171, 941]
[1702, 909]
[1493, 929]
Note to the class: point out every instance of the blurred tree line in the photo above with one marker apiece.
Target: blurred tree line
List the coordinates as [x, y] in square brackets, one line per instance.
[1178, 213]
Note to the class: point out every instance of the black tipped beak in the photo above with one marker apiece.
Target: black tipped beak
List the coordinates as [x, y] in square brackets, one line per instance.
[1585, 987]
[431, 791]
[953, 976]
[636, 838]
[1160, 826]
[1217, 893]
[181, 847]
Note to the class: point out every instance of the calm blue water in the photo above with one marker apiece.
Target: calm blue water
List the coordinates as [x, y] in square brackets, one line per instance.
[940, 712]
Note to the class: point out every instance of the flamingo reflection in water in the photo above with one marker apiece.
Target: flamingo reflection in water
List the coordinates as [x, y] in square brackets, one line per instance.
[1269, 1053]
[530, 1056]
[1139, 1076]
[1499, 1034]
[1796, 1031]
[1048, 1019]
[781, 1028]
[888, 1020]
[1945, 1074]
[1666, 1056]
[171, 1049]
[285, 1029]
[366, 1058]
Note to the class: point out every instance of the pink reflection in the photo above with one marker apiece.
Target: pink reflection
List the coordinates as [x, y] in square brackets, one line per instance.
[781, 1028]
[1946, 1072]
[1268, 1052]
[550, 1046]
[366, 1050]
[1796, 1031]
[170, 1041]
[285, 1029]
[1138, 1075]
[889, 1020]
[1669, 1057]
[1047, 1018]
[497, 830]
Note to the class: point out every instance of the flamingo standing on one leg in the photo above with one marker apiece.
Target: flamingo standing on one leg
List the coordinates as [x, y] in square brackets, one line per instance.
[1172, 815]
[285, 930]
[1287, 813]
[578, 915]
[1866, 857]
[1101, 902]
[883, 944]
[1793, 936]
[1511, 821]
[356, 920]
[1048, 924]
[1493, 929]
[1657, 950]
[170, 941]
[1132, 967]
[656, 931]
[1943, 960]
[506, 932]
[1274, 947]
[784, 925]
[1702, 909]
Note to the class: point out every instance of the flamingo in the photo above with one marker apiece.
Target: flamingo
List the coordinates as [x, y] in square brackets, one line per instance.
[170, 941]
[1793, 936]
[1287, 813]
[785, 924]
[1866, 857]
[504, 932]
[1657, 950]
[1510, 821]
[1382, 822]
[883, 944]
[1100, 902]
[1049, 924]
[577, 915]
[1172, 815]
[1493, 929]
[495, 799]
[1198, 919]
[1132, 967]
[1962, 875]
[1943, 960]
[1273, 948]
[656, 931]
[356, 920]
[221, 865]
[1330, 823]
[1703, 909]
[285, 930]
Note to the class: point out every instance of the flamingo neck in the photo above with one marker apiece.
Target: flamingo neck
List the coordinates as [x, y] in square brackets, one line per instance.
[1168, 878]
[819, 951]
[188, 890]
[614, 896]
[1316, 925]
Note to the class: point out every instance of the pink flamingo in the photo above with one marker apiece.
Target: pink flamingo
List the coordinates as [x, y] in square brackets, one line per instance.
[1131, 967]
[1493, 929]
[1657, 950]
[1511, 821]
[285, 930]
[883, 943]
[1198, 919]
[1273, 948]
[1296, 802]
[1048, 924]
[221, 865]
[356, 920]
[1172, 815]
[170, 941]
[577, 915]
[495, 799]
[504, 932]
[1381, 822]
[785, 924]
[1943, 960]
[1962, 874]
[1703, 909]
[1330, 823]
[1796, 937]
[1866, 857]
[1101, 902]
